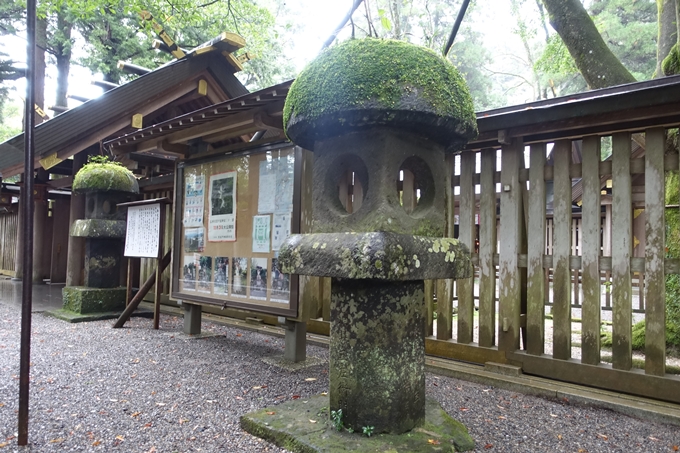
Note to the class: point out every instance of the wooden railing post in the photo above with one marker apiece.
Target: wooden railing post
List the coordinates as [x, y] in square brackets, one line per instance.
[510, 291]
[622, 290]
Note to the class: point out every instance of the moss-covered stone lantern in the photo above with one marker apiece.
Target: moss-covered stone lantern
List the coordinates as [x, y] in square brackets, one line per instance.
[377, 108]
[105, 184]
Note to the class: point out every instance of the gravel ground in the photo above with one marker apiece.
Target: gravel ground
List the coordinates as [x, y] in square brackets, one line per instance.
[97, 389]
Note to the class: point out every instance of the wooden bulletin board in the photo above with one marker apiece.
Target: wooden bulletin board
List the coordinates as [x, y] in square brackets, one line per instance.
[231, 215]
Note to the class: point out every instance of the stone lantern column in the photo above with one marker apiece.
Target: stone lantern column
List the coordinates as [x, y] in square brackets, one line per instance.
[376, 108]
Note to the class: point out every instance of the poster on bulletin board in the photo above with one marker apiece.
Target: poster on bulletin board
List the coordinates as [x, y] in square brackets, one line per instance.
[227, 254]
[143, 231]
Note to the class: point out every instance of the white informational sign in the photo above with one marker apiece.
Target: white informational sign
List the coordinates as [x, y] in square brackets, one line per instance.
[261, 233]
[275, 190]
[281, 230]
[222, 220]
[194, 196]
[143, 231]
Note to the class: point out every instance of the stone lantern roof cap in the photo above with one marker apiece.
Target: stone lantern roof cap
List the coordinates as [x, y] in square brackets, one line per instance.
[364, 83]
[102, 176]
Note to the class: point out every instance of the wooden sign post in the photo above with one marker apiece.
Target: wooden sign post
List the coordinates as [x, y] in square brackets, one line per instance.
[144, 239]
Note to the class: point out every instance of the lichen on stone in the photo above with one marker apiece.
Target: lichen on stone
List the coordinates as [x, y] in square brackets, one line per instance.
[102, 175]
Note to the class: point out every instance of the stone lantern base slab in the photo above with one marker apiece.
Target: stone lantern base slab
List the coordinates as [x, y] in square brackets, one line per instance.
[303, 426]
[82, 304]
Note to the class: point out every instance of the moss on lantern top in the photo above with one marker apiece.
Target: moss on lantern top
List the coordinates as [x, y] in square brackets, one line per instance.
[102, 175]
[368, 82]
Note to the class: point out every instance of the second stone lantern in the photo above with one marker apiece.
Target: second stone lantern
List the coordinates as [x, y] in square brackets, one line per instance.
[376, 108]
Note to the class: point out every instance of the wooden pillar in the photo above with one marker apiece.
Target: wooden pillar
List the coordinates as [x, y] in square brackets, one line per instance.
[487, 249]
[76, 246]
[466, 235]
[561, 251]
[39, 224]
[590, 251]
[19, 260]
[510, 292]
[535, 251]
[622, 291]
[655, 276]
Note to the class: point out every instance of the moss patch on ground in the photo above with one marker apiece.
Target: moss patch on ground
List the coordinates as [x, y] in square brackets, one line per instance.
[305, 426]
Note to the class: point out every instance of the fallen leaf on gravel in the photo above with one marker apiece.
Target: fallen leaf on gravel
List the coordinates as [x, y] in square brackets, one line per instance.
[559, 436]
[296, 397]
[433, 442]
[271, 413]
[239, 334]
[602, 436]
[653, 438]
[58, 440]
[565, 399]
[183, 421]
[4, 444]
[501, 417]
[464, 409]
[2, 404]
[486, 390]
[582, 450]
[676, 448]
[147, 425]
[312, 421]
[310, 379]
[488, 446]
[324, 393]
[151, 450]
[257, 387]
[96, 442]
[553, 415]
[134, 360]
[238, 398]
[500, 407]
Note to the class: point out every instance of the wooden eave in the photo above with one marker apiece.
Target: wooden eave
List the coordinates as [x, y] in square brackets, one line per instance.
[233, 119]
[172, 86]
[634, 106]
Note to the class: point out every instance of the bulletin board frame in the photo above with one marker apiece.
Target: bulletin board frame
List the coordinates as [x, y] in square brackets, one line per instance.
[245, 249]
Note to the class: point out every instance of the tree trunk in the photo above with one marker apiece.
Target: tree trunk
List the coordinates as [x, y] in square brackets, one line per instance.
[667, 33]
[62, 53]
[598, 65]
[39, 81]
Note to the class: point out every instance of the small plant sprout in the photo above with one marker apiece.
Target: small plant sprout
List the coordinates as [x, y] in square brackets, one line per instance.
[368, 430]
[336, 419]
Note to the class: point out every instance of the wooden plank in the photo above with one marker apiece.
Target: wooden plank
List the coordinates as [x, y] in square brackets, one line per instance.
[487, 249]
[465, 352]
[429, 307]
[655, 276]
[444, 309]
[466, 235]
[601, 376]
[561, 251]
[590, 251]
[621, 252]
[535, 251]
[511, 202]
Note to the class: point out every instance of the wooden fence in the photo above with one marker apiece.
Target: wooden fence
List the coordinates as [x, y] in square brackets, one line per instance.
[9, 223]
[514, 257]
